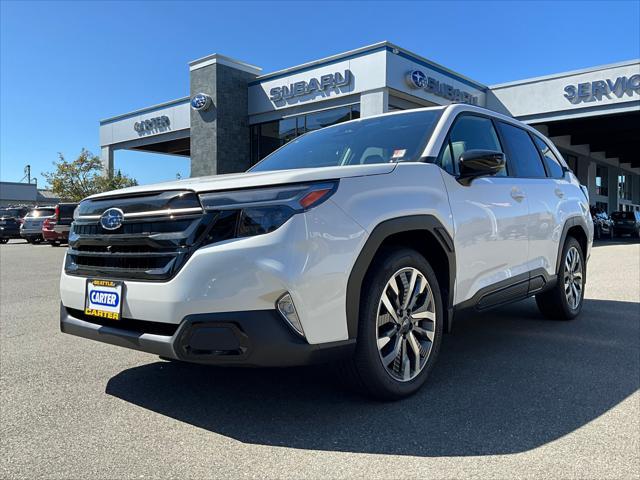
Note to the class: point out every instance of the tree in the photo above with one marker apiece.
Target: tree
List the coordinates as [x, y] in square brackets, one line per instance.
[82, 177]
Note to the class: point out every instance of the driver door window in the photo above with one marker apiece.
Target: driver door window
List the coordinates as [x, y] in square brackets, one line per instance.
[469, 133]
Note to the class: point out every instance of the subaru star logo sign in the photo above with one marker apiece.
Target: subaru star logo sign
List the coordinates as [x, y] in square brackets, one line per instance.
[200, 102]
[417, 79]
[112, 219]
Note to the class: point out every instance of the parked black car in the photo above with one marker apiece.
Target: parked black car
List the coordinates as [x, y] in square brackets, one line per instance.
[10, 220]
[626, 223]
[602, 224]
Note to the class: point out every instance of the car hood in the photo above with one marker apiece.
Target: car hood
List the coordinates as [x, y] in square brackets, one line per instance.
[234, 181]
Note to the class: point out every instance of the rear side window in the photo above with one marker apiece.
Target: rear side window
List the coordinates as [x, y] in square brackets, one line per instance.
[551, 161]
[469, 133]
[523, 154]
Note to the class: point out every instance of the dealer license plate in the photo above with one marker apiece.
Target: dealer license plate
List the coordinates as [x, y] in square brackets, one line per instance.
[103, 299]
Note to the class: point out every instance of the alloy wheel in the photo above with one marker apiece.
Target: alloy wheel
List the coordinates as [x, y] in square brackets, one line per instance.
[573, 278]
[406, 324]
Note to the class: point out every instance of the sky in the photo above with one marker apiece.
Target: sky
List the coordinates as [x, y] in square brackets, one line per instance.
[66, 65]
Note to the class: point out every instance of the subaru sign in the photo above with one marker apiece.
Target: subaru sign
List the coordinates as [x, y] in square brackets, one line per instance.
[313, 85]
[200, 102]
[417, 79]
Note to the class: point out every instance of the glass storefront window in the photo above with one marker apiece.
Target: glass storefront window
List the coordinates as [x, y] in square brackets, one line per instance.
[318, 120]
[287, 130]
[624, 187]
[269, 136]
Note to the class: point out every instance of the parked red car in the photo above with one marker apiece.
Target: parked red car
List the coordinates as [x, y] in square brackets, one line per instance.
[55, 230]
[50, 235]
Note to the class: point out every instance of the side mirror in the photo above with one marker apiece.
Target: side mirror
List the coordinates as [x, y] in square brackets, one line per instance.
[478, 163]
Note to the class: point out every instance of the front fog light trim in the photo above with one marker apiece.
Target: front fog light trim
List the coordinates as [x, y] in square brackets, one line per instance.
[288, 312]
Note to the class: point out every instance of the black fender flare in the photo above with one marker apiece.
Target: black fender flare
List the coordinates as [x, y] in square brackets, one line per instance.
[575, 221]
[380, 233]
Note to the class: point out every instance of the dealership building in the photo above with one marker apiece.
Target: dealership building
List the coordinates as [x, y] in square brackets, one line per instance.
[235, 114]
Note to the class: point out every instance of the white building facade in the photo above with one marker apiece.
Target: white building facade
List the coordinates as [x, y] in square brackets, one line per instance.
[235, 115]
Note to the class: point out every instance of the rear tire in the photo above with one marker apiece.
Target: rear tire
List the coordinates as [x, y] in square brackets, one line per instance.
[395, 352]
[564, 301]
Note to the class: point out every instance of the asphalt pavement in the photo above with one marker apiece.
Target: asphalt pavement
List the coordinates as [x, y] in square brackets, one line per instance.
[512, 396]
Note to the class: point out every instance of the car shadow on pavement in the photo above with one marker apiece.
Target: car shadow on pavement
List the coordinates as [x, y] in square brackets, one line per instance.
[507, 381]
[628, 240]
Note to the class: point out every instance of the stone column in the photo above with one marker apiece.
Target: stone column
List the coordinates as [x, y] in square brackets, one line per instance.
[220, 134]
[613, 173]
[635, 192]
[106, 155]
[591, 185]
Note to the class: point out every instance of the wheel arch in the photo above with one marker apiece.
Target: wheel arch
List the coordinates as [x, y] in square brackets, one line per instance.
[575, 227]
[424, 233]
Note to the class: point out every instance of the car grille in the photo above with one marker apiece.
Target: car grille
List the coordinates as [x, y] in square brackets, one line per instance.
[143, 248]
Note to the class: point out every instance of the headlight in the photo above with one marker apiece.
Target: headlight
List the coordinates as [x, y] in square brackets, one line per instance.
[245, 213]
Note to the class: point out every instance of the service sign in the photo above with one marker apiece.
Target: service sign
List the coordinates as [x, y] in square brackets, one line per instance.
[104, 299]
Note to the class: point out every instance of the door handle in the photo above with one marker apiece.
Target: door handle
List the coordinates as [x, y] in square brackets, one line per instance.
[517, 194]
[559, 193]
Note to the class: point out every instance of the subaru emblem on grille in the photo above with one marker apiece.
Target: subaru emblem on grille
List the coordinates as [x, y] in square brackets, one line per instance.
[112, 219]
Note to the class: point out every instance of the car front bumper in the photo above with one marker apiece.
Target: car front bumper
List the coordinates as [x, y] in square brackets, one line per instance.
[309, 257]
[625, 228]
[257, 338]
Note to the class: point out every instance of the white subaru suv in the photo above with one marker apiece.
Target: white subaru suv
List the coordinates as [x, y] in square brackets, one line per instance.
[355, 243]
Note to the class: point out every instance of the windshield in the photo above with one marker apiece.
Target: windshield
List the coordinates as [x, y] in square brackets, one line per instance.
[385, 139]
[41, 212]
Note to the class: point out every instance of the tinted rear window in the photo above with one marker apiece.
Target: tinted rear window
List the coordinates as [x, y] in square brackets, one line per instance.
[67, 210]
[41, 212]
[10, 212]
[623, 216]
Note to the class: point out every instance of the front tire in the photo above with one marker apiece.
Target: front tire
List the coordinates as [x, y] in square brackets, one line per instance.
[564, 301]
[400, 326]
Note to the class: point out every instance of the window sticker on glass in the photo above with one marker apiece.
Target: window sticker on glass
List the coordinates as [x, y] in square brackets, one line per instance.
[399, 153]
